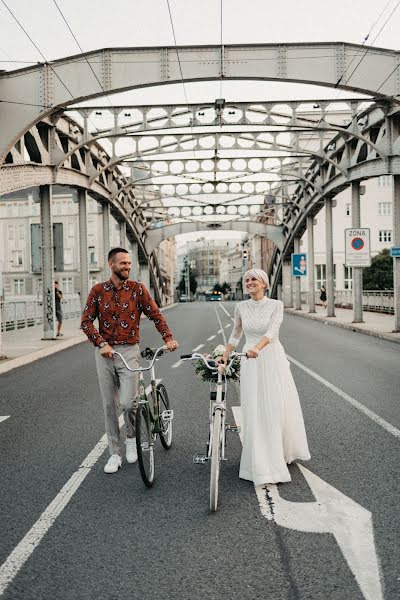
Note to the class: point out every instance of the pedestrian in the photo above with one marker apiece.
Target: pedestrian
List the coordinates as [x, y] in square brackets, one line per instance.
[272, 421]
[58, 296]
[117, 305]
[322, 295]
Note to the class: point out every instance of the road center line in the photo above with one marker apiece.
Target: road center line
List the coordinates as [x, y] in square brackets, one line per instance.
[225, 311]
[220, 324]
[177, 364]
[21, 553]
[4, 418]
[212, 337]
[366, 411]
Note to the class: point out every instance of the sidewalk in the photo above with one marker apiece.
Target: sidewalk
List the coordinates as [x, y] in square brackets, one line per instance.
[375, 324]
[25, 345]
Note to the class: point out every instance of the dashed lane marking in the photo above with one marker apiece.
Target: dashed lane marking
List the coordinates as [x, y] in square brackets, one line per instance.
[228, 325]
[4, 418]
[366, 411]
[220, 324]
[177, 364]
[225, 311]
[16, 560]
[212, 337]
[198, 347]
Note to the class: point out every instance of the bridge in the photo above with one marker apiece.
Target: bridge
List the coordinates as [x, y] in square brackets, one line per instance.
[246, 166]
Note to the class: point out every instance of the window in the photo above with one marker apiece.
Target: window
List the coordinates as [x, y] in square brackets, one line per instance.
[348, 210]
[384, 208]
[385, 235]
[17, 259]
[19, 286]
[21, 232]
[67, 285]
[385, 181]
[10, 232]
[71, 230]
[348, 278]
[92, 256]
[320, 275]
[68, 256]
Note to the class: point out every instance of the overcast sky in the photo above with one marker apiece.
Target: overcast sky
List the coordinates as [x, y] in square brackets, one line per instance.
[124, 23]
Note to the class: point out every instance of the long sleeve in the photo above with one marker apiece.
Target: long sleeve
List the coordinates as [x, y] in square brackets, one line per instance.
[152, 312]
[275, 322]
[237, 330]
[90, 314]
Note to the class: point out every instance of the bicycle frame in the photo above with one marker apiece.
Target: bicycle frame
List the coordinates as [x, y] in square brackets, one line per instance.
[217, 388]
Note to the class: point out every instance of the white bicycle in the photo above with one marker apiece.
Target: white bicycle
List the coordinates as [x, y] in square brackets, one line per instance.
[217, 427]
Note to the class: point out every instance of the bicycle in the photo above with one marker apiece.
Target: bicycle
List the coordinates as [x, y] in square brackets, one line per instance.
[217, 427]
[151, 421]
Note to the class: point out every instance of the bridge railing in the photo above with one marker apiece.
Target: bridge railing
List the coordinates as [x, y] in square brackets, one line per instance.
[18, 314]
[373, 300]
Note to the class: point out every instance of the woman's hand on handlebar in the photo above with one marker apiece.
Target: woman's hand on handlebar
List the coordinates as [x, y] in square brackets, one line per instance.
[252, 352]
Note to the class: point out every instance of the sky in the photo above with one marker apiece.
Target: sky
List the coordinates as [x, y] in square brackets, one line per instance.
[136, 23]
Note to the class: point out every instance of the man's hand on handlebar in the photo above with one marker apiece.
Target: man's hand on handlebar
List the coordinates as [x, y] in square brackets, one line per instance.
[172, 345]
[106, 351]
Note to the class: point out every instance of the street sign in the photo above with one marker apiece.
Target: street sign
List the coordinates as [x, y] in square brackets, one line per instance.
[395, 251]
[357, 247]
[299, 264]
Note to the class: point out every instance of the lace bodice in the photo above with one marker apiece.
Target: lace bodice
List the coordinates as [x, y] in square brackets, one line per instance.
[257, 319]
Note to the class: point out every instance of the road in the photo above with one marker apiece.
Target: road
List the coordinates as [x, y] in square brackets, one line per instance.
[113, 538]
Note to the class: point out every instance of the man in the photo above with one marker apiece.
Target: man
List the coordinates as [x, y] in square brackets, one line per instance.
[118, 304]
[58, 295]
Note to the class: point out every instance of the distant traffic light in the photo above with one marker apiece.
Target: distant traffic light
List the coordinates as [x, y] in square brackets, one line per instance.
[244, 253]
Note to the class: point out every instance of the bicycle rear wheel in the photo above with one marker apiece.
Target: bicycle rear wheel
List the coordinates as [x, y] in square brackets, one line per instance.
[215, 459]
[145, 445]
[166, 423]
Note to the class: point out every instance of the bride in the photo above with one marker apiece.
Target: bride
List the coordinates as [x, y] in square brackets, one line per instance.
[272, 420]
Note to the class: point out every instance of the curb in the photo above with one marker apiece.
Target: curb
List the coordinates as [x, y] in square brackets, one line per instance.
[350, 326]
[14, 363]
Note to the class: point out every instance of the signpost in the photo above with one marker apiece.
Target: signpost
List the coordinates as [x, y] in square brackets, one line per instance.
[395, 251]
[299, 264]
[357, 247]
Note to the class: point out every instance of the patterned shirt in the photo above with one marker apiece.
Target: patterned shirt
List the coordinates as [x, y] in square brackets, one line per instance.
[118, 312]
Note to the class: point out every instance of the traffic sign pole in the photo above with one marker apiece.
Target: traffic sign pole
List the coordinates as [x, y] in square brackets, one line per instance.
[357, 271]
[297, 282]
[396, 260]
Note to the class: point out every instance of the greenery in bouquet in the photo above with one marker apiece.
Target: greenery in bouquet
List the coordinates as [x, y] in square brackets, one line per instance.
[233, 372]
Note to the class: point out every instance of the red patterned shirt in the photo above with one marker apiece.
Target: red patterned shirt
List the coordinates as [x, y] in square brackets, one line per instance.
[118, 312]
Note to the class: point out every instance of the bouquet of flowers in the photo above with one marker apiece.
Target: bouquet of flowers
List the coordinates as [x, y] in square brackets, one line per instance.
[233, 372]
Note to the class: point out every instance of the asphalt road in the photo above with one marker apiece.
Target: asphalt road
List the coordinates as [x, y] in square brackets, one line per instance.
[117, 539]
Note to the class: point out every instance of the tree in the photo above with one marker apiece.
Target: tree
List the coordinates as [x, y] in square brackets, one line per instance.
[225, 288]
[379, 276]
[192, 282]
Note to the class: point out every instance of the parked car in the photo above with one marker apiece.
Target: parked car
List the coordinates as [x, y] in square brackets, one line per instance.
[184, 298]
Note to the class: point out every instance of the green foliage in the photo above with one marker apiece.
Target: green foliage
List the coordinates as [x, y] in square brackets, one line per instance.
[217, 288]
[225, 287]
[379, 276]
[192, 282]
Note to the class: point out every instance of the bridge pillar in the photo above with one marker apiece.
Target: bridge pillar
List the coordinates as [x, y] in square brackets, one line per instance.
[357, 271]
[144, 275]
[83, 245]
[287, 285]
[106, 239]
[330, 285]
[396, 242]
[297, 280]
[135, 260]
[123, 240]
[311, 265]
[46, 221]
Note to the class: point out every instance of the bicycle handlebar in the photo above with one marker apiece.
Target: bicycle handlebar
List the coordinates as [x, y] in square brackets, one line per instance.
[197, 356]
[158, 352]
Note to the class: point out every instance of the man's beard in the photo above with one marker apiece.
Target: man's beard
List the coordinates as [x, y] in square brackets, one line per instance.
[122, 275]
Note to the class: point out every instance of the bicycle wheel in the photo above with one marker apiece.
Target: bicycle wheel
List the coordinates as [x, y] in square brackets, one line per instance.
[145, 445]
[166, 424]
[215, 459]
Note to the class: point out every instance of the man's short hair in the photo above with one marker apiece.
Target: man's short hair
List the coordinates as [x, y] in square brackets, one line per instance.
[56, 282]
[115, 251]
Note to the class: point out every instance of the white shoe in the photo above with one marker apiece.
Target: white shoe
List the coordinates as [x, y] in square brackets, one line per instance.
[114, 463]
[131, 452]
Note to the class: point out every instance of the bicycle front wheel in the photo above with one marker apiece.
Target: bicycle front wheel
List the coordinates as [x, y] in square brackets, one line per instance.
[145, 445]
[215, 459]
[166, 420]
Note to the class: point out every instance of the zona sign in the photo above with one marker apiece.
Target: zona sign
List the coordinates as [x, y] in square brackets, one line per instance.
[357, 247]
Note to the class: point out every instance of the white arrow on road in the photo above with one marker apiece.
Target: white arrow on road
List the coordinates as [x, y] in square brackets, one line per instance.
[333, 512]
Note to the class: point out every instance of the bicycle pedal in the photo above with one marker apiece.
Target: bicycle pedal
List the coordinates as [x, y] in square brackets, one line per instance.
[200, 459]
[167, 415]
[233, 429]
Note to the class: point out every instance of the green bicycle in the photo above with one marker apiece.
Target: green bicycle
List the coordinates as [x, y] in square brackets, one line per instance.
[153, 416]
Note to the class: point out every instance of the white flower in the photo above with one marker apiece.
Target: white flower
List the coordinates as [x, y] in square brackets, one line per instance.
[219, 350]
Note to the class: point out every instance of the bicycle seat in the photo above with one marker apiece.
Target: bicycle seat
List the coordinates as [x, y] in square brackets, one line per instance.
[149, 353]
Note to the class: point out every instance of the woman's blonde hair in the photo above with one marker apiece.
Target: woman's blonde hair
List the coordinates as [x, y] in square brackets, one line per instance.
[258, 274]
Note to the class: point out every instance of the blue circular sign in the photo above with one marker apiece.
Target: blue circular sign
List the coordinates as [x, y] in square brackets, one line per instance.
[357, 243]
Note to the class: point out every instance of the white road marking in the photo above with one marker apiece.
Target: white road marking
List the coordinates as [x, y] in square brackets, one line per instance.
[225, 311]
[212, 337]
[332, 512]
[21, 553]
[220, 324]
[366, 411]
[4, 418]
[198, 347]
[177, 364]
[226, 326]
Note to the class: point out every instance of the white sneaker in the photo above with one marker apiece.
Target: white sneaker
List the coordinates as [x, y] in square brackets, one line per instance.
[131, 452]
[114, 463]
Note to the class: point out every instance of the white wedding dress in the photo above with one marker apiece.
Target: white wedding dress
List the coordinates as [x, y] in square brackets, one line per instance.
[272, 420]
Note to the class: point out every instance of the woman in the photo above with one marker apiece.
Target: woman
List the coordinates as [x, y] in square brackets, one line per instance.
[272, 420]
[322, 296]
